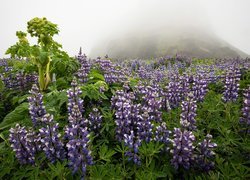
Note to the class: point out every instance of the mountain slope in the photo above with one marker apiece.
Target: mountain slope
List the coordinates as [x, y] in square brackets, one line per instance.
[167, 41]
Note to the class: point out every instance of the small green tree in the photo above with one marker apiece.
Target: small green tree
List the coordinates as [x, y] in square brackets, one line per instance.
[43, 52]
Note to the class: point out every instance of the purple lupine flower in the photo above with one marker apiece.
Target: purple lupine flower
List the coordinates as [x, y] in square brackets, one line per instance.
[7, 76]
[231, 85]
[159, 75]
[199, 88]
[184, 86]
[50, 139]
[21, 80]
[105, 65]
[23, 143]
[141, 129]
[132, 127]
[133, 145]
[152, 103]
[10, 81]
[188, 114]
[145, 73]
[76, 133]
[81, 57]
[212, 78]
[126, 86]
[161, 133]
[174, 92]
[73, 97]
[144, 127]
[123, 106]
[206, 153]
[182, 148]
[77, 136]
[36, 107]
[245, 119]
[95, 120]
[31, 79]
[84, 70]
[111, 77]
[112, 73]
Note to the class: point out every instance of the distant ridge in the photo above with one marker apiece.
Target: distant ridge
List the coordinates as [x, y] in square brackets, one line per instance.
[193, 43]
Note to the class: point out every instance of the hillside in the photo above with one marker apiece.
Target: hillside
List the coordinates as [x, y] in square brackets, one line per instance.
[167, 41]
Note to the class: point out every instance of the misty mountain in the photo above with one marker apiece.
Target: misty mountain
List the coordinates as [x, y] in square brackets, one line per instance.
[167, 41]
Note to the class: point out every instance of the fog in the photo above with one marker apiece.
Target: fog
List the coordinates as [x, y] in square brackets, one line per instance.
[90, 23]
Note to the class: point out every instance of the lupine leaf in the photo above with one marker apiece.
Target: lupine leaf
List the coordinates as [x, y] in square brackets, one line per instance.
[18, 115]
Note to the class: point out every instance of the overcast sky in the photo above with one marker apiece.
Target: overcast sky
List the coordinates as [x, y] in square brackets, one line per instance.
[86, 22]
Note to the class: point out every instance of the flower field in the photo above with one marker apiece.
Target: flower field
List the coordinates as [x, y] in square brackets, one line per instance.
[172, 117]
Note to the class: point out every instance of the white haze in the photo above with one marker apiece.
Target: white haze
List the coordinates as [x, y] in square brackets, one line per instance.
[85, 23]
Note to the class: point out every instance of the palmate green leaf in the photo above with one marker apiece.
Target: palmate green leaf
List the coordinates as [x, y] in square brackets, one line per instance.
[116, 172]
[150, 149]
[58, 170]
[150, 174]
[92, 92]
[121, 148]
[18, 115]
[19, 100]
[28, 172]
[58, 66]
[55, 99]
[105, 154]
[98, 172]
[94, 76]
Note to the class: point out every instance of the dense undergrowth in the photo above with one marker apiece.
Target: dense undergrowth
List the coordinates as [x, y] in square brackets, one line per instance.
[109, 153]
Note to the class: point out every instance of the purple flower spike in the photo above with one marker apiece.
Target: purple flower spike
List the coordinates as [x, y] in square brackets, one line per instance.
[36, 107]
[206, 153]
[95, 120]
[231, 85]
[50, 139]
[76, 133]
[245, 119]
[73, 97]
[188, 113]
[182, 149]
[162, 134]
[23, 144]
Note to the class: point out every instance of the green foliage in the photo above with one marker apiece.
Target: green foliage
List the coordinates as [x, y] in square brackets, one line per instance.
[107, 171]
[62, 65]
[94, 76]
[149, 151]
[44, 52]
[151, 172]
[18, 115]
[214, 117]
[8, 163]
[105, 154]
[1, 85]
[21, 48]
[92, 91]
[58, 171]
[44, 30]
[245, 82]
